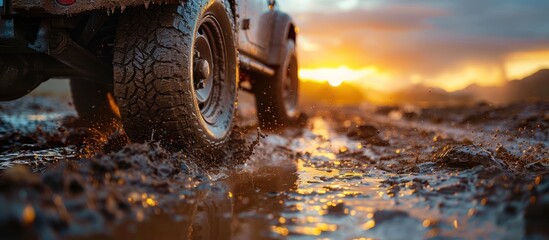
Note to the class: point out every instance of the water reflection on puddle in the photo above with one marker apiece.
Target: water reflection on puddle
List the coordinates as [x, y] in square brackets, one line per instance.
[336, 197]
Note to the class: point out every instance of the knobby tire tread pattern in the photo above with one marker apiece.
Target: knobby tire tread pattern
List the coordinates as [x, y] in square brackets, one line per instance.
[152, 79]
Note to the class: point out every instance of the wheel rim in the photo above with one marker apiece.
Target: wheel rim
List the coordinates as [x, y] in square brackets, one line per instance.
[208, 43]
[289, 86]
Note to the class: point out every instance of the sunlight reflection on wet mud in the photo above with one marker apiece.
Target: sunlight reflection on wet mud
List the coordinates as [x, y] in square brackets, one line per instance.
[336, 194]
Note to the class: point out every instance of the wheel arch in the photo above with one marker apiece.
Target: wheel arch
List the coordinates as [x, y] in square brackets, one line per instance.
[234, 10]
[284, 29]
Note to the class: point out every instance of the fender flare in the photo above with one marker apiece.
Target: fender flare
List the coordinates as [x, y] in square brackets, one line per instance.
[283, 29]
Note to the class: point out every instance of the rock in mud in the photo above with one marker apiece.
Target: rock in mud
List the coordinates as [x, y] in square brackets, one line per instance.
[539, 166]
[387, 215]
[368, 134]
[385, 110]
[338, 209]
[468, 156]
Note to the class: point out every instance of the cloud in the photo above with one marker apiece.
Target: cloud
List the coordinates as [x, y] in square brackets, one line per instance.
[430, 38]
[387, 18]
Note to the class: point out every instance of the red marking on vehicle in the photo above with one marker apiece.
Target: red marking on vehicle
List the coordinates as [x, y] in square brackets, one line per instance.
[66, 2]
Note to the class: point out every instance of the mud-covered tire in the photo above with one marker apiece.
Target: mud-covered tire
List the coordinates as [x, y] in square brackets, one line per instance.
[277, 97]
[155, 84]
[94, 103]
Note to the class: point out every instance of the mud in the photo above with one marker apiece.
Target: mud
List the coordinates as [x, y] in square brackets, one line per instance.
[399, 172]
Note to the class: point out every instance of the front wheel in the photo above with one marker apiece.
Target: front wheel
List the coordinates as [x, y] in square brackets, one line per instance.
[175, 74]
[277, 97]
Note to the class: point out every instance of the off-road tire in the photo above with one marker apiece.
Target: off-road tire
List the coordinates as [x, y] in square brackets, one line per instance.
[153, 76]
[269, 93]
[94, 103]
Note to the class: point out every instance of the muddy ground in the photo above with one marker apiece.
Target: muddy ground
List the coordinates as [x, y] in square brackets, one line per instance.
[400, 172]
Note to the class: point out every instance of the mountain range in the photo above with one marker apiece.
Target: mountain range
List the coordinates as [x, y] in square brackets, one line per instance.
[532, 88]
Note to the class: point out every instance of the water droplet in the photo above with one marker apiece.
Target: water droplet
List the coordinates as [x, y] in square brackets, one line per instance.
[28, 215]
[369, 225]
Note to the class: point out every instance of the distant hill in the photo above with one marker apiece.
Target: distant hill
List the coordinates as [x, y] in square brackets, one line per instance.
[419, 94]
[323, 93]
[348, 94]
[531, 88]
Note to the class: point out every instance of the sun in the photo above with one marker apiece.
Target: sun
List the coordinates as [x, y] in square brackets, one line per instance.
[335, 76]
[335, 82]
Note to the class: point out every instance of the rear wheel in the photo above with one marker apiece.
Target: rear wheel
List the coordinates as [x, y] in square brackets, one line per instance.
[277, 97]
[94, 103]
[175, 74]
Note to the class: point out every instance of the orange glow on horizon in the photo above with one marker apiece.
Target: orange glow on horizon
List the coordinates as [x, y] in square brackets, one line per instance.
[514, 67]
[521, 64]
[475, 73]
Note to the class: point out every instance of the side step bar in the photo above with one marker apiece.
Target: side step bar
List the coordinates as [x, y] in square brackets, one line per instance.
[256, 66]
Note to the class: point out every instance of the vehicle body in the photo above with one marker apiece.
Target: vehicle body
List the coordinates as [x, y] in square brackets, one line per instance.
[96, 44]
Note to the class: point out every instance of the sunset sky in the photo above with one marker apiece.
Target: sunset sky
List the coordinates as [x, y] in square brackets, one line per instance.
[387, 45]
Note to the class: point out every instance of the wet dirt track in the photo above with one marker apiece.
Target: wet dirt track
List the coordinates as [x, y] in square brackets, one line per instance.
[350, 172]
